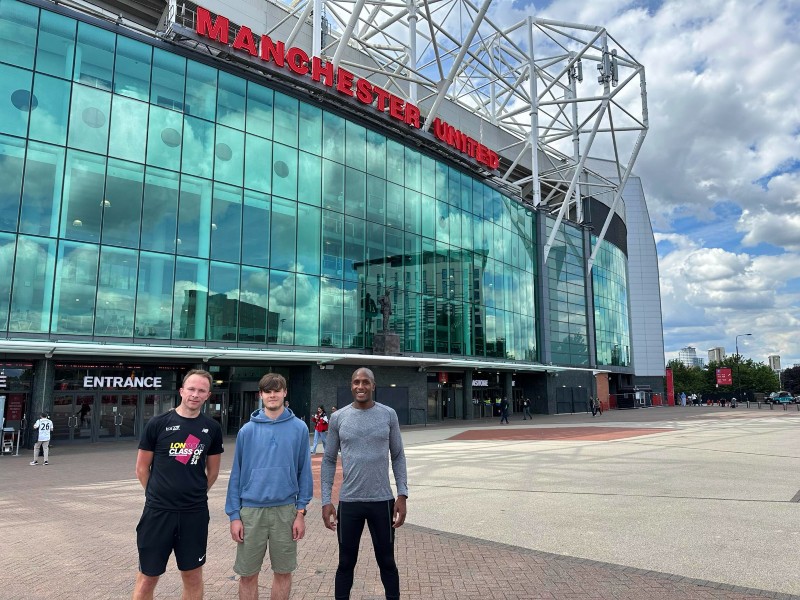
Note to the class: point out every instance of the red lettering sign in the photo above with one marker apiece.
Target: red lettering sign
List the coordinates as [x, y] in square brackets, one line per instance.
[15, 407]
[724, 377]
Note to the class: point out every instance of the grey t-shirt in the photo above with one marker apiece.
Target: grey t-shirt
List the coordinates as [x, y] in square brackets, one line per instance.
[367, 438]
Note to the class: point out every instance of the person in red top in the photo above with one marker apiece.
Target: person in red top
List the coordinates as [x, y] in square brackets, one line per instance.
[320, 421]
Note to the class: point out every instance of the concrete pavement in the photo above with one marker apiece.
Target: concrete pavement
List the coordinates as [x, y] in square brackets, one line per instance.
[656, 503]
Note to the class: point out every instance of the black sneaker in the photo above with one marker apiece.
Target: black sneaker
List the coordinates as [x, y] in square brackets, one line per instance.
[34, 462]
[47, 463]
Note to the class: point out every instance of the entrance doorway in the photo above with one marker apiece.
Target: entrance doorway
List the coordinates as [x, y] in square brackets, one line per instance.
[242, 405]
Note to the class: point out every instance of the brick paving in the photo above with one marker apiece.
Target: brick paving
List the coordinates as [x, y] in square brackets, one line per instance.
[583, 434]
[67, 531]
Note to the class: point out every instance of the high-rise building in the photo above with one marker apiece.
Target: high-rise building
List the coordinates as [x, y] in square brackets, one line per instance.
[688, 356]
[716, 354]
[774, 362]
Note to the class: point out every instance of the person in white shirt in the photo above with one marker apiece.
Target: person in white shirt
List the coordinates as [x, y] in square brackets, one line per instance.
[45, 427]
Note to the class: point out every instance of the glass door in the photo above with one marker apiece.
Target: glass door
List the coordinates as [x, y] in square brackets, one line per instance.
[117, 416]
[154, 404]
[73, 416]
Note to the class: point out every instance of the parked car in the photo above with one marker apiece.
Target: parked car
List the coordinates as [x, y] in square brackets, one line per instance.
[782, 397]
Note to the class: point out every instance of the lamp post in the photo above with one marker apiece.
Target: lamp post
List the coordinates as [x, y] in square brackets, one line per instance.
[738, 366]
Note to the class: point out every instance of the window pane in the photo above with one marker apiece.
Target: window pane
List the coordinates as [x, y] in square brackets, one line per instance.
[223, 302]
[231, 100]
[164, 138]
[41, 190]
[332, 186]
[194, 217]
[308, 238]
[49, 118]
[34, 269]
[395, 162]
[351, 318]
[376, 199]
[15, 100]
[88, 119]
[190, 299]
[12, 157]
[229, 156]
[226, 223]
[394, 205]
[310, 128]
[161, 209]
[281, 308]
[309, 186]
[413, 212]
[94, 57]
[201, 91]
[122, 204]
[128, 138]
[257, 161]
[169, 75]
[306, 328]
[132, 69]
[259, 110]
[376, 154]
[333, 131]
[283, 238]
[284, 168]
[75, 289]
[331, 313]
[154, 295]
[412, 169]
[116, 291]
[198, 139]
[354, 231]
[332, 244]
[81, 207]
[255, 229]
[18, 24]
[56, 46]
[7, 247]
[356, 156]
[355, 193]
[252, 307]
[286, 119]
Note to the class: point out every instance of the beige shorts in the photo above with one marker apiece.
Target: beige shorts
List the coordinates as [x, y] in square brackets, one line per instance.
[264, 528]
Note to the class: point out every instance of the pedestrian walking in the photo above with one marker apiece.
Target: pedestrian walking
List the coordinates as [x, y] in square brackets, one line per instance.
[597, 406]
[320, 421]
[504, 411]
[268, 491]
[369, 436]
[45, 427]
[526, 410]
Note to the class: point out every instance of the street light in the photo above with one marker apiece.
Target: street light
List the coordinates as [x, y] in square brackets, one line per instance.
[738, 366]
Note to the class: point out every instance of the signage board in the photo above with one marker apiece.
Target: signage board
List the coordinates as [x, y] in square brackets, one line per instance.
[724, 376]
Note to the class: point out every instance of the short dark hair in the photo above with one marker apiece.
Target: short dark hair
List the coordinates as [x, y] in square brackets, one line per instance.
[44, 415]
[201, 373]
[272, 382]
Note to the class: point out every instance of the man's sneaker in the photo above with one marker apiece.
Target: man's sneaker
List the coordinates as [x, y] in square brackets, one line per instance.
[34, 462]
[47, 463]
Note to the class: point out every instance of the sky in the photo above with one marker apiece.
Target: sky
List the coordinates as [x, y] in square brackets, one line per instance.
[721, 162]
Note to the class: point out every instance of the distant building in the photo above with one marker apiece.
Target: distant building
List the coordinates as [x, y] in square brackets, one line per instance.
[716, 354]
[688, 356]
[774, 362]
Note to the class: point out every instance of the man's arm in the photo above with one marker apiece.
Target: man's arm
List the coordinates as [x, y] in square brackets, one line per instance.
[213, 462]
[398, 455]
[328, 472]
[144, 461]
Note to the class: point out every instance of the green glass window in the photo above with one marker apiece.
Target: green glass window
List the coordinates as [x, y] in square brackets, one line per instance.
[413, 212]
[51, 113]
[395, 162]
[12, 158]
[226, 223]
[258, 119]
[223, 302]
[75, 288]
[89, 119]
[376, 255]
[231, 95]
[122, 204]
[168, 79]
[229, 156]
[283, 235]
[308, 239]
[94, 57]
[310, 134]
[352, 322]
[331, 312]
[41, 190]
[284, 171]
[286, 116]
[258, 164]
[376, 154]
[355, 192]
[56, 45]
[161, 209]
[201, 91]
[255, 229]
[333, 133]
[194, 218]
[7, 248]
[82, 203]
[309, 186]
[34, 271]
[306, 328]
[128, 139]
[252, 307]
[281, 308]
[164, 138]
[132, 69]
[198, 138]
[394, 205]
[190, 299]
[18, 24]
[154, 295]
[354, 233]
[356, 150]
[15, 100]
[116, 292]
[412, 169]
[332, 243]
[332, 186]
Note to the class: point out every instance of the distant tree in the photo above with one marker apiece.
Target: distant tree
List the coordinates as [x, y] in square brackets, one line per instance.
[747, 375]
[791, 380]
[687, 379]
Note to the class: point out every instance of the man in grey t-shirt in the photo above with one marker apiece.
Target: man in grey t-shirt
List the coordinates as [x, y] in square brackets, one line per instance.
[368, 434]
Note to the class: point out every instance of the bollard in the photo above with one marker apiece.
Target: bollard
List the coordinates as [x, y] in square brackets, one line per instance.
[771, 406]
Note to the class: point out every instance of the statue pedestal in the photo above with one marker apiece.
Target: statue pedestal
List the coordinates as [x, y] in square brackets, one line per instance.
[386, 342]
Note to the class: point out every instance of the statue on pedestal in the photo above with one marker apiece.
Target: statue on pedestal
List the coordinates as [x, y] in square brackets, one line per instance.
[386, 309]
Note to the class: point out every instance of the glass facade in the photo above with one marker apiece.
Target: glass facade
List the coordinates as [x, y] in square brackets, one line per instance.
[610, 289]
[566, 270]
[151, 197]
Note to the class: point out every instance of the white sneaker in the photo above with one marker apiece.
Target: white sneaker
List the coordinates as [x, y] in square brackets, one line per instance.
[34, 462]
[47, 463]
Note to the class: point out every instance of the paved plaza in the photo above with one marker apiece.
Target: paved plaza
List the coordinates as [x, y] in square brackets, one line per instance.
[655, 503]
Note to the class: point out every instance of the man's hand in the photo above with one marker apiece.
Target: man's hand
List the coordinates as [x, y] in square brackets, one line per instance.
[399, 516]
[329, 517]
[237, 531]
[299, 527]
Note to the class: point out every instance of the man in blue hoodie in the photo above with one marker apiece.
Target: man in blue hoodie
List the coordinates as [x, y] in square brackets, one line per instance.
[269, 489]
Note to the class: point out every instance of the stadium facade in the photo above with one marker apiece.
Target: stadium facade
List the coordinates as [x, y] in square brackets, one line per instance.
[250, 186]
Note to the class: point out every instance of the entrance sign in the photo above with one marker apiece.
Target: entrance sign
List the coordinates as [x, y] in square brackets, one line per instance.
[122, 382]
[480, 383]
[724, 377]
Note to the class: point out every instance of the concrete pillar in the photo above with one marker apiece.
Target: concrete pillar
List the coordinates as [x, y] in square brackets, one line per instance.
[468, 410]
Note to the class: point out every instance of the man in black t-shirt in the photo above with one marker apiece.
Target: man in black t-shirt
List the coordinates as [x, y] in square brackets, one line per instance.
[178, 462]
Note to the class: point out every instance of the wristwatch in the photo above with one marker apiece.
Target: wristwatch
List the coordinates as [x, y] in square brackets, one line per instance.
[302, 511]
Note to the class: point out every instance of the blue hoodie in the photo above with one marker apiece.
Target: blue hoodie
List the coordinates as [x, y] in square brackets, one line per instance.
[271, 465]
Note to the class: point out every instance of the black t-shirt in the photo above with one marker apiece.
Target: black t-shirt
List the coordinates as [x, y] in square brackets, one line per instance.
[178, 479]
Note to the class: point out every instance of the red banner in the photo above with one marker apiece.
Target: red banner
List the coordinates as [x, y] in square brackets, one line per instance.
[670, 389]
[724, 377]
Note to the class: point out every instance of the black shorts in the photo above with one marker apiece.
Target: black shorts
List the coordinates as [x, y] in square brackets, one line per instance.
[159, 532]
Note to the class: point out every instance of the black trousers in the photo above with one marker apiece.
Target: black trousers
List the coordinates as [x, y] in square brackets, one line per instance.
[378, 517]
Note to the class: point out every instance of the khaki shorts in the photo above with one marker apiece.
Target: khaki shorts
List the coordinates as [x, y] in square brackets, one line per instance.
[264, 528]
